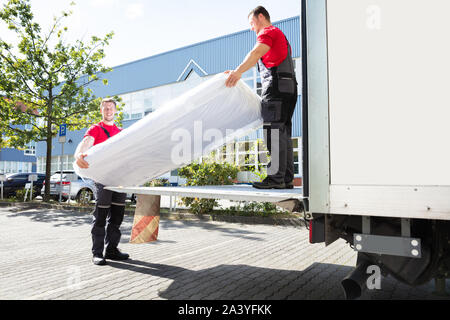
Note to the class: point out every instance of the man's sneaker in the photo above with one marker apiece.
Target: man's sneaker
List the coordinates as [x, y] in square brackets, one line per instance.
[266, 184]
[116, 255]
[289, 185]
[98, 260]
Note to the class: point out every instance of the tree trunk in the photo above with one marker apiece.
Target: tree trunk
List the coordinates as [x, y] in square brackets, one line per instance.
[48, 160]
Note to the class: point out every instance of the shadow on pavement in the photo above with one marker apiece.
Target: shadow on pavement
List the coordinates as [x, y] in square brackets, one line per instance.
[59, 218]
[224, 228]
[319, 281]
[65, 218]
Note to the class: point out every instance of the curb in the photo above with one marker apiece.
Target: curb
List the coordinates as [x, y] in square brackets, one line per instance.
[181, 216]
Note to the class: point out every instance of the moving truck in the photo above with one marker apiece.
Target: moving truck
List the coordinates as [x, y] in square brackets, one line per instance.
[376, 131]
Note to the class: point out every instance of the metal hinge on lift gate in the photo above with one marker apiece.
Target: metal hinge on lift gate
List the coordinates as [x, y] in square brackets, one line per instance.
[403, 246]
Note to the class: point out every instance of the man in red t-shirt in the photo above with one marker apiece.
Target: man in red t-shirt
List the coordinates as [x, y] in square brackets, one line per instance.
[279, 96]
[109, 206]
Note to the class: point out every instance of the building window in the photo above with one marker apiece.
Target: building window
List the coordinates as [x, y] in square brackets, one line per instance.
[30, 152]
[299, 74]
[249, 83]
[147, 99]
[249, 78]
[259, 87]
[263, 155]
[67, 163]
[31, 149]
[227, 154]
[247, 155]
[40, 165]
[250, 155]
[7, 167]
[297, 147]
[137, 104]
[15, 167]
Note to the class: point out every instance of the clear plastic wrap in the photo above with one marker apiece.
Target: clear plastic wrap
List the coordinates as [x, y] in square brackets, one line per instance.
[180, 132]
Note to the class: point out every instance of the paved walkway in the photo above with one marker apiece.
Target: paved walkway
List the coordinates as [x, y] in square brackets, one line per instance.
[45, 254]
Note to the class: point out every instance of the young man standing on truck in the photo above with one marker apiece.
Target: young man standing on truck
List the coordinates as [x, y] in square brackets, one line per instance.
[273, 54]
[109, 206]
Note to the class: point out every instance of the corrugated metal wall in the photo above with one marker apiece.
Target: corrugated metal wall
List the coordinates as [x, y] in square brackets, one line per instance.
[213, 56]
[8, 154]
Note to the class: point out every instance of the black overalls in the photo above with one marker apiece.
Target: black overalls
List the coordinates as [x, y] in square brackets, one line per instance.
[279, 98]
[109, 212]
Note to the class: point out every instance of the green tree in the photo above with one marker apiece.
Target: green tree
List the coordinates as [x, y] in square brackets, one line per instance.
[46, 81]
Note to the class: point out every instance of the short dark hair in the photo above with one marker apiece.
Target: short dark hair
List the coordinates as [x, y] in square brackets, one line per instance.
[108, 100]
[260, 10]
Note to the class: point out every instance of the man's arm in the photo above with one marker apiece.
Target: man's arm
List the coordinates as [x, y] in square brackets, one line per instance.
[80, 154]
[250, 60]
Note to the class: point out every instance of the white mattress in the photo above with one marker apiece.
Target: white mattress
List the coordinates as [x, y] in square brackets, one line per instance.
[178, 133]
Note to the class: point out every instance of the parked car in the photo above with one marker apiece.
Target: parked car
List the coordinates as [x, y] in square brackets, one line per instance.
[17, 181]
[72, 185]
[79, 189]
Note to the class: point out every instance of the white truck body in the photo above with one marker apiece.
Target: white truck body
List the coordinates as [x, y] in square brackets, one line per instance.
[376, 96]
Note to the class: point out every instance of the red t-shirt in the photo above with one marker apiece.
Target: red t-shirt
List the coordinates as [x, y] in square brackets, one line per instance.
[275, 39]
[99, 135]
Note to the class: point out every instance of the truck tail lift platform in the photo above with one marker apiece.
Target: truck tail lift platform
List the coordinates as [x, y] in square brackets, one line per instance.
[289, 199]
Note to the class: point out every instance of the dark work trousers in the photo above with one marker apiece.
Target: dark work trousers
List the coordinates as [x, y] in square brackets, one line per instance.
[107, 218]
[281, 167]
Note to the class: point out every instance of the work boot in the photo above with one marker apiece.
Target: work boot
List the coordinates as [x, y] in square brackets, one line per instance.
[289, 185]
[115, 254]
[267, 184]
[98, 260]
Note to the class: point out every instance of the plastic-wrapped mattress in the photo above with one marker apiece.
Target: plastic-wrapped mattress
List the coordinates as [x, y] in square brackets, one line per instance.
[178, 133]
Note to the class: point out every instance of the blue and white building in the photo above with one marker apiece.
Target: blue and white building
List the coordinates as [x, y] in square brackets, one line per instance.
[145, 85]
[18, 161]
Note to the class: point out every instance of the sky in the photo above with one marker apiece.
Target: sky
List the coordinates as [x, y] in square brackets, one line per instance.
[147, 27]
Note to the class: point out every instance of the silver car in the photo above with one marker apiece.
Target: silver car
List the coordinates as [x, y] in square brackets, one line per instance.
[70, 184]
[81, 190]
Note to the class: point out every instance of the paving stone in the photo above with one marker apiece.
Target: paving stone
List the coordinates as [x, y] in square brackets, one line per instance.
[46, 256]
